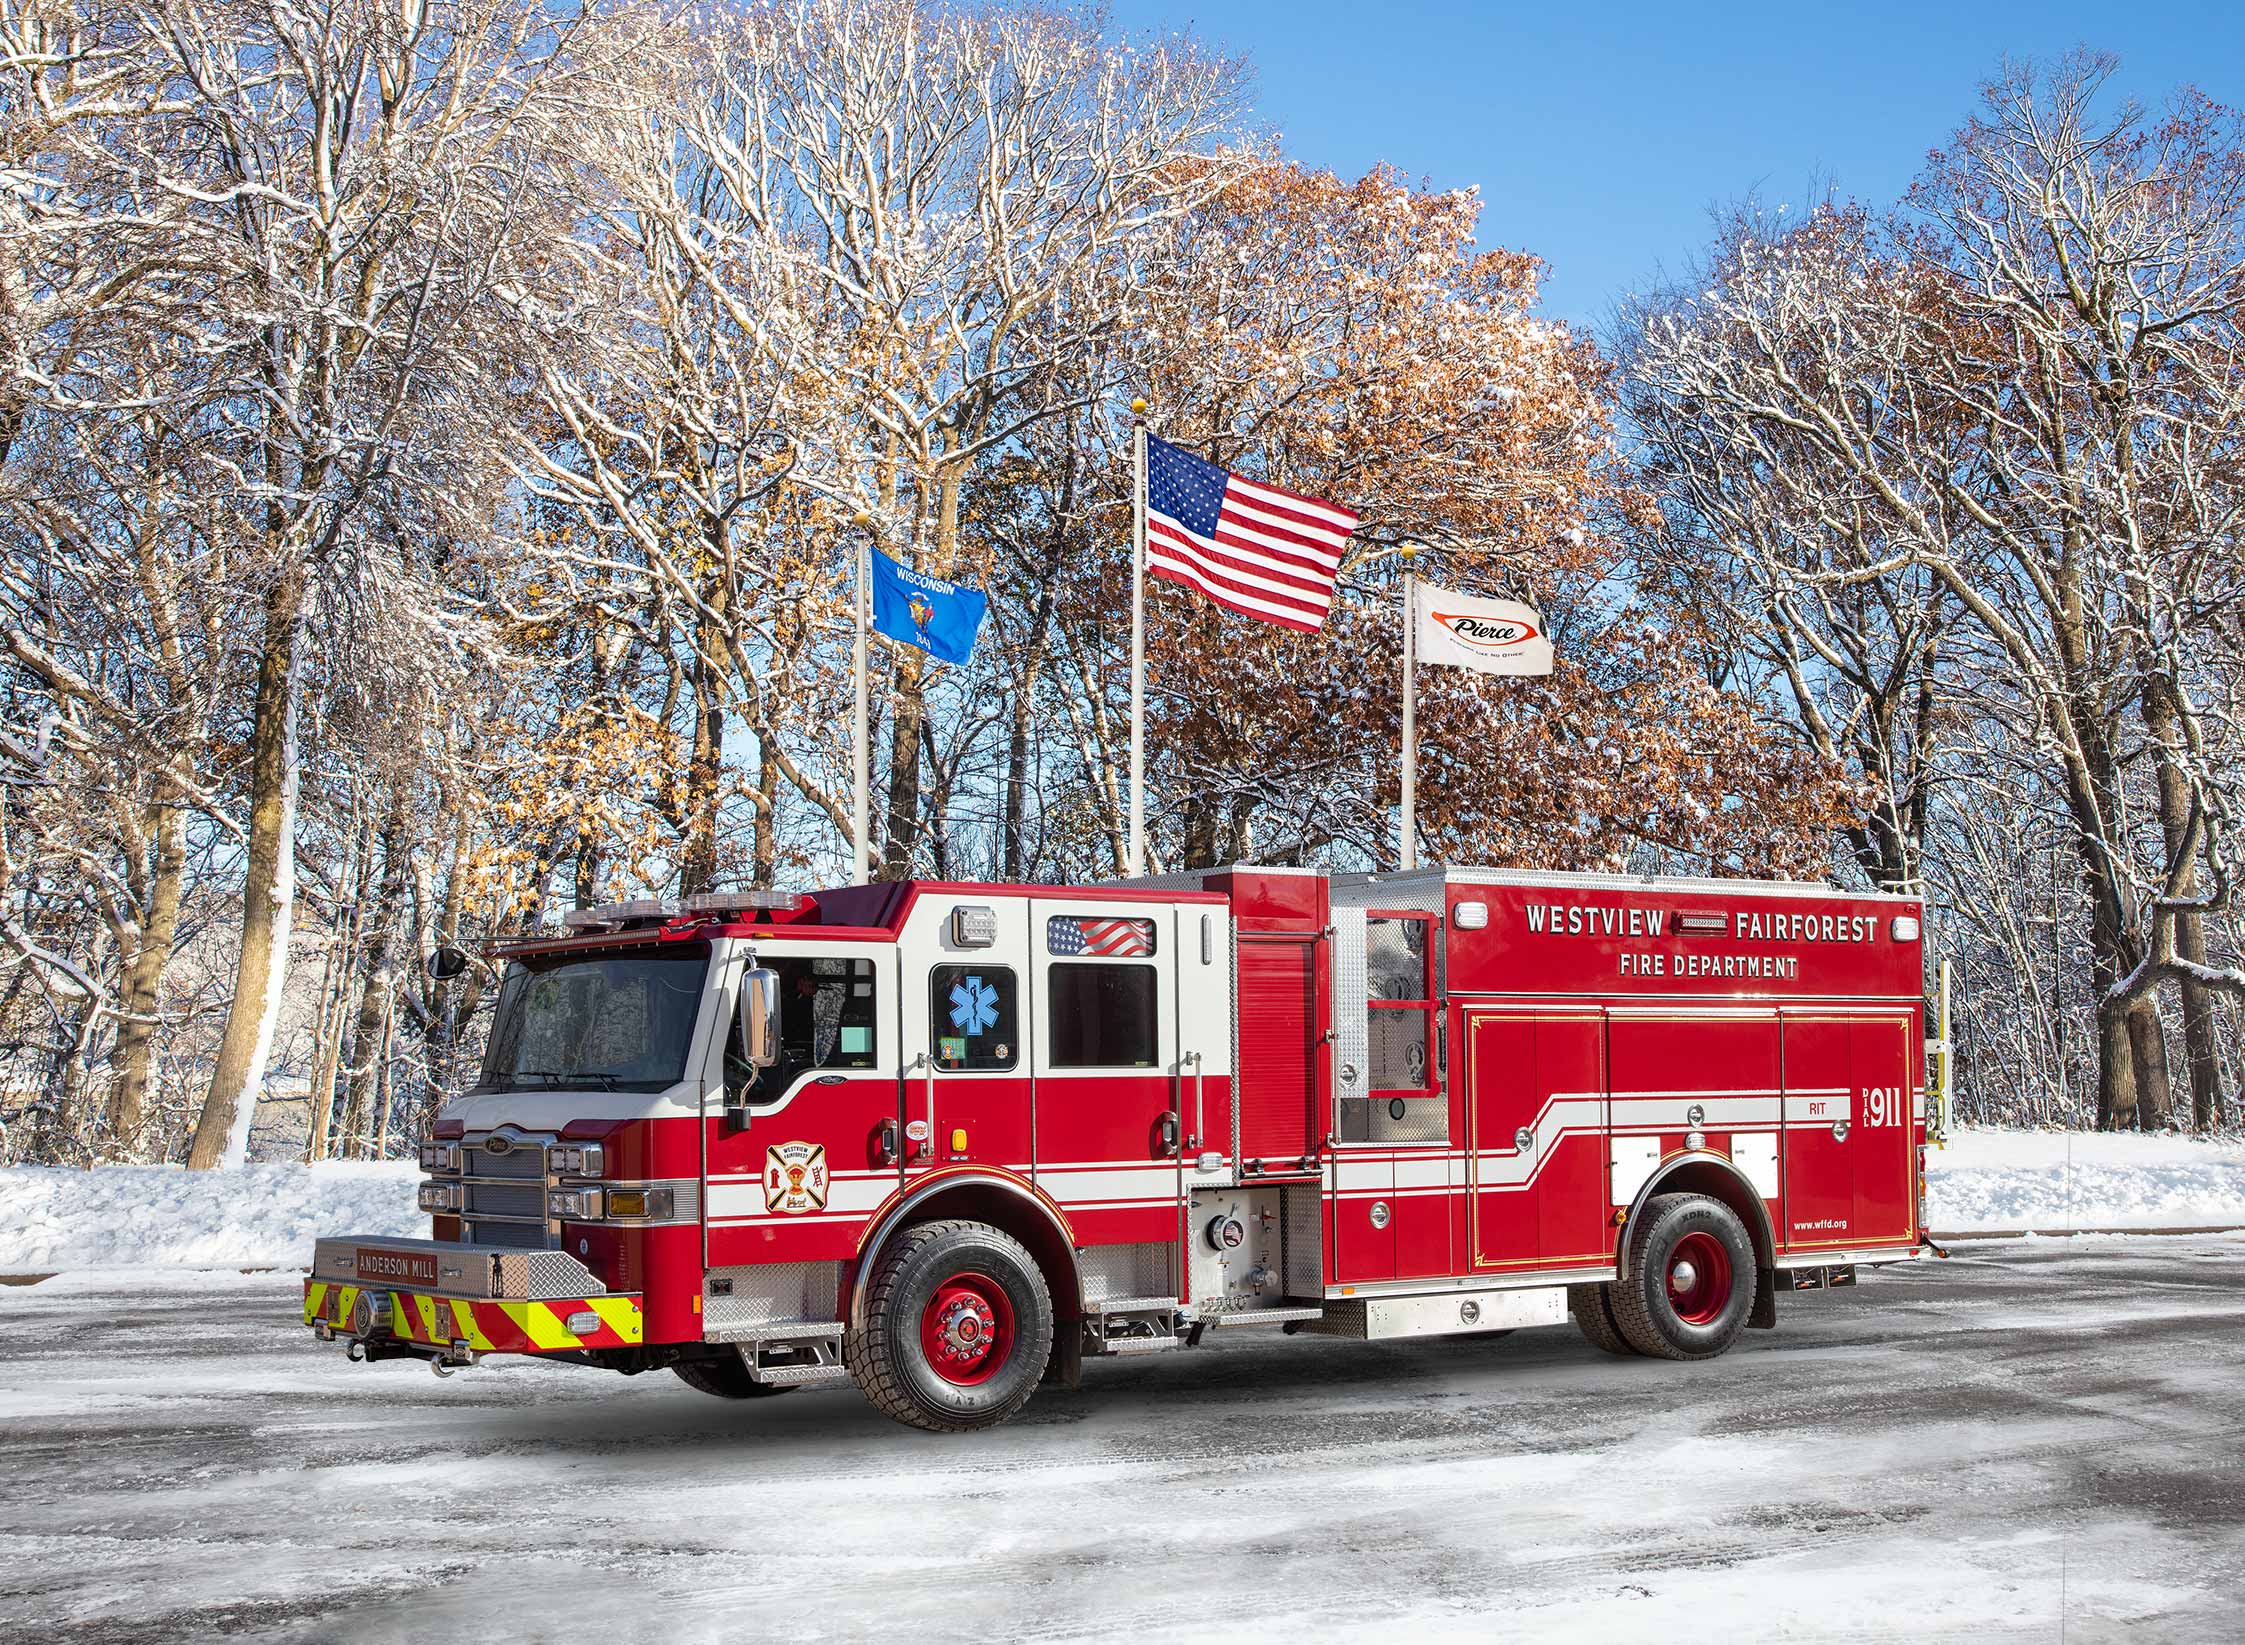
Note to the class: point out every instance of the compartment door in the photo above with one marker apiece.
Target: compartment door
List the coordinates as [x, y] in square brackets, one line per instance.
[1885, 1158]
[1819, 1174]
[1281, 1112]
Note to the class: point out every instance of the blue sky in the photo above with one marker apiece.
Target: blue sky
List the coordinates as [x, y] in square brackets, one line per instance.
[1599, 136]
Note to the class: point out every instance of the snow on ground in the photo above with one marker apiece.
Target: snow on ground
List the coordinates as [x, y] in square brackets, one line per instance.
[2029, 1443]
[266, 1216]
[1988, 1180]
[259, 1216]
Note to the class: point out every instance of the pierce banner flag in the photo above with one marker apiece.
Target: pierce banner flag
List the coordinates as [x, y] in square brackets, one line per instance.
[1492, 636]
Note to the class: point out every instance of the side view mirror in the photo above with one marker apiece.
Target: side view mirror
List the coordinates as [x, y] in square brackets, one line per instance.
[760, 1015]
[444, 964]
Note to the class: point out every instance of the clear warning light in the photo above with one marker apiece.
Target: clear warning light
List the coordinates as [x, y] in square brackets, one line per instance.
[1905, 928]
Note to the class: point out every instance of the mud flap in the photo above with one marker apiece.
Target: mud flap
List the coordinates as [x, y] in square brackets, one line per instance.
[1066, 1367]
[1764, 1316]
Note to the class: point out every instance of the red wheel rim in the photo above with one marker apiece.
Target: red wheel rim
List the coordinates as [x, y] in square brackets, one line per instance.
[1699, 1278]
[966, 1330]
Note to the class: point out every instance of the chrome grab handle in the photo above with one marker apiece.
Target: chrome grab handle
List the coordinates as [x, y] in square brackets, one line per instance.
[1200, 1102]
[926, 1150]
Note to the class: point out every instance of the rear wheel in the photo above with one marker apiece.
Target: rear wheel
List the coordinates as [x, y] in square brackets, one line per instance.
[957, 1328]
[1687, 1279]
[1594, 1313]
[726, 1378]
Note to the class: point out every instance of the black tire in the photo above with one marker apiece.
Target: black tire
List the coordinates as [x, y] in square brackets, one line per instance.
[1594, 1313]
[1705, 1316]
[726, 1378]
[887, 1352]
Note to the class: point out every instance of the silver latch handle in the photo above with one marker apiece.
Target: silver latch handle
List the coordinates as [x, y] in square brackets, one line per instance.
[1200, 1102]
[927, 1143]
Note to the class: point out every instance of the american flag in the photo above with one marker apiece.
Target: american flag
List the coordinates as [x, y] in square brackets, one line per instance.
[1068, 935]
[1249, 547]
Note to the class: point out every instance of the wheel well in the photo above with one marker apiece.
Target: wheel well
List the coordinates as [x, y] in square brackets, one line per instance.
[1719, 1180]
[1007, 1209]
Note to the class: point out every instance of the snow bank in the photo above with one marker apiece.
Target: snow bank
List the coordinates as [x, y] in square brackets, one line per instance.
[266, 1216]
[257, 1216]
[1987, 1180]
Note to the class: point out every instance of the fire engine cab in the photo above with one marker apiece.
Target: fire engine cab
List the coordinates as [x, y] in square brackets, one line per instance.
[947, 1140]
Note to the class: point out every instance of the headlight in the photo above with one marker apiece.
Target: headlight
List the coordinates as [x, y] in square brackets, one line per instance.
[439, 1196]
[440, 1158]
[574, 1204]
[575, 1159]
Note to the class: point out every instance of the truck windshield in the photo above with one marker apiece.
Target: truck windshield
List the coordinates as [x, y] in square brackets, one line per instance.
[617, 1021]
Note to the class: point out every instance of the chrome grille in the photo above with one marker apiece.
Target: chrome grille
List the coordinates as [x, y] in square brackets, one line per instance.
[507, 1199]
[507, 1236]
[524, 1159]
[505, 1194]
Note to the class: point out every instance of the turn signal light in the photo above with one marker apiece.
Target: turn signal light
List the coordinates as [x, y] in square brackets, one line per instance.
[438, 1196]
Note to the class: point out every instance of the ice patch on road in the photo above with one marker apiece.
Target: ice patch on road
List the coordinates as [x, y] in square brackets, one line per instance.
[1987, 1180]
[256, 1216]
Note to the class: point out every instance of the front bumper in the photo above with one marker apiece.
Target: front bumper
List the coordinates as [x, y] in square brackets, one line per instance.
[545, 1325]
[455, 1300]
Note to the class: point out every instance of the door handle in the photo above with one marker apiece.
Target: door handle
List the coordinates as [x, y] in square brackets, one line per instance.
[885, 1141]
[926, 1146]
[1200, 1101]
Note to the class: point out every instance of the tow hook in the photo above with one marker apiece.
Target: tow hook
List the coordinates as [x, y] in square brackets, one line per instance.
[459, 1357]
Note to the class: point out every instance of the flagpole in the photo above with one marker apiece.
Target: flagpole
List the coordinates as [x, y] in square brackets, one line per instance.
[1137, 856]
[861, 847]
[1409, 854]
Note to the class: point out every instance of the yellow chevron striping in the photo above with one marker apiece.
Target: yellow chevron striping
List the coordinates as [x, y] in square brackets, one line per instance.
[315, 1300]
[619, 1314]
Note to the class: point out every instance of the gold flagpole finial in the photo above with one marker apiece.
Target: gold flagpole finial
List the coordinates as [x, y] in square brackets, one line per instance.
[1138, 408]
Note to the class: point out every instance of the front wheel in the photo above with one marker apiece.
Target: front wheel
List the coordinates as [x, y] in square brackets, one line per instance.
[957, 1328]
[1687, 1279]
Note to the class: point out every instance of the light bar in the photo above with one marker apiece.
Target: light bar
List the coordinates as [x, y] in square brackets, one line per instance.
[616, 913]
[740, 902]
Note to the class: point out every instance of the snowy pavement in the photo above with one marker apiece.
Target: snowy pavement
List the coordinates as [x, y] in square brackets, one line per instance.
[2031, 1441]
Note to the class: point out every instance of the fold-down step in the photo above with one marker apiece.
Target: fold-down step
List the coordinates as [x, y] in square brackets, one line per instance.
[1288, 1315]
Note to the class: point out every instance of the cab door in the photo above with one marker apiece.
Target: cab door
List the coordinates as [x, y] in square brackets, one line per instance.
[1108, 1063]
[964, 986]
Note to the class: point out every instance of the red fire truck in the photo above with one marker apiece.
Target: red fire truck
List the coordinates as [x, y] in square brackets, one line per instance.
[947, 1140]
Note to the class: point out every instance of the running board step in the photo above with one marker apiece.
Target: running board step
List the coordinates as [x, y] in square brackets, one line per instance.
[1143, 1345]
[795, 1376]
[1135, 1305]
[786, 1331]
[1264, 1316]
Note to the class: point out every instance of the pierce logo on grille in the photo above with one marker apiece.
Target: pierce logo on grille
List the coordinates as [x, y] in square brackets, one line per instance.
[795, 1177]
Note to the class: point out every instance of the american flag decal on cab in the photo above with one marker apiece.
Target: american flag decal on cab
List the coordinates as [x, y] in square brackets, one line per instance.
[1068, 935]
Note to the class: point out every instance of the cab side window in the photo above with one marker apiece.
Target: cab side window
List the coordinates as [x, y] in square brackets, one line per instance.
[827, 1015]
[972, 1017]
[1102, 1016]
